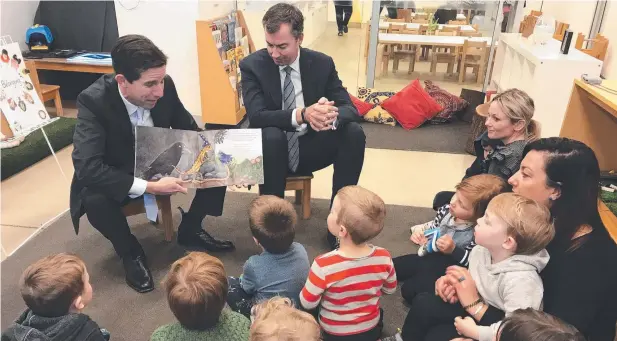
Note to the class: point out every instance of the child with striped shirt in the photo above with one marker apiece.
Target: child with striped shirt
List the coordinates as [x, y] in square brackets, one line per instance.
[346, 283]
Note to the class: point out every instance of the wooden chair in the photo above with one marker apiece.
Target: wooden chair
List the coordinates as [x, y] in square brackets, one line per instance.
[560, 30]
[473, 55]
[457, 22]
[135, 207]
[448, 55]
[536, 13]
[421, 16]
[455, 29]
[302, 185]
[46, 92]
[470, 34]
[599, 46]
[395, 20]
[405, 51]
[419, 21]
[404, 14]
[527, 26]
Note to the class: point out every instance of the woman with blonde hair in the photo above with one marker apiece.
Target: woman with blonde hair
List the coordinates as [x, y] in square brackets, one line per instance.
[499, 150]
[509, 119]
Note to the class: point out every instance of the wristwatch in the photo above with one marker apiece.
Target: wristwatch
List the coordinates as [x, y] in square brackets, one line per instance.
[302, 115]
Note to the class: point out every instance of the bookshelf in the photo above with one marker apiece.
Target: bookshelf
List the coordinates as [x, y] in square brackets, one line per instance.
[219, 75]
[591, 117]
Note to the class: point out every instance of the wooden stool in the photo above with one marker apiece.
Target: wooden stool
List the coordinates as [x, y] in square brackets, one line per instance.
[302, 185]
[135, 207]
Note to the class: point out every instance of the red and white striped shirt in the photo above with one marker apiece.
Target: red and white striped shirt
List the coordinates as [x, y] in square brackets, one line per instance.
[348, 290]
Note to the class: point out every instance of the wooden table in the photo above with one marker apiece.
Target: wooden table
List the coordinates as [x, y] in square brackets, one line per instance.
[60, 64]
[591, 117]
[419, 39]
[384, 25]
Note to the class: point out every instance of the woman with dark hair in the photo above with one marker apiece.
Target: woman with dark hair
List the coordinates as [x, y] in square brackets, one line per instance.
[580, 280]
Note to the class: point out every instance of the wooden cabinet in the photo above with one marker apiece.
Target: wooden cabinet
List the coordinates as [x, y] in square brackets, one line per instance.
[591, 117]
[543, 72]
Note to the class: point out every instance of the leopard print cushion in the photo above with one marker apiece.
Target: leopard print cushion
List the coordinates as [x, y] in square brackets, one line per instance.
[377, 114]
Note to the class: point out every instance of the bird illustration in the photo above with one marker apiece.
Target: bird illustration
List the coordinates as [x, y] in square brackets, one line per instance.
[166, 162]
[201, 158]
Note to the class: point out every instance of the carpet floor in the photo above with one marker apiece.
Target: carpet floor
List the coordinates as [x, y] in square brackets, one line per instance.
[132, 316]
[441, 138]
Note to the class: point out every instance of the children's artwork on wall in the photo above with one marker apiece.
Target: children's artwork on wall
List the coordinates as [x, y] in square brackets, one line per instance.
[205, 159]
[19, 101]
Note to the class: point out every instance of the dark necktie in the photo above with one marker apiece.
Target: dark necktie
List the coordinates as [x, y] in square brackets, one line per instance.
[293, 145]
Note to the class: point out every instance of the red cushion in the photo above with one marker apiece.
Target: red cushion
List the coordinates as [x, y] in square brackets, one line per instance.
[412, 106]
[362, 106]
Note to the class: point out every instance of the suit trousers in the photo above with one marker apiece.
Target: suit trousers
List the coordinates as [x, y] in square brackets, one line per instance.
[343, 148]
[343, 14]
[105, 215]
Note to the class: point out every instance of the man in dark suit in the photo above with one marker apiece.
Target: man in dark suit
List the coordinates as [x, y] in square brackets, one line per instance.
[307, 118]
[140, 93]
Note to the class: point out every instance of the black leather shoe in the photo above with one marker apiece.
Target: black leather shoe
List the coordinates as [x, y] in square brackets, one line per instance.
[192, 236]
[201, 240]
[340, 33]
[137, 274]
[333, 241]
[345, 29]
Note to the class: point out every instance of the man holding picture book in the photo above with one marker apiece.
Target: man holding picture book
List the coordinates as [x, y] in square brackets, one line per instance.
[307, 118]
[140, 93]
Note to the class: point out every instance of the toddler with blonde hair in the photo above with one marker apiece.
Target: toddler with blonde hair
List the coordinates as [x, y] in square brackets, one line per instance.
[277, 320]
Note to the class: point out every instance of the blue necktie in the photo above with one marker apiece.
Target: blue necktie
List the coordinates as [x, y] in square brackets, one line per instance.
[152, 209]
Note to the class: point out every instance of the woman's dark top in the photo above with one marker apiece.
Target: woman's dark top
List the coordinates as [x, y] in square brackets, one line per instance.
[580, 286]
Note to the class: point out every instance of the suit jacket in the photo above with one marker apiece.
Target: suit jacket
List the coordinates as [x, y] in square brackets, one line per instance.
[104, 145]
[262, 93]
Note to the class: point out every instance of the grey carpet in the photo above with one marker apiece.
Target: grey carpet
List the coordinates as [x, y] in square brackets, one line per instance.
[442, 138]
[132, 316]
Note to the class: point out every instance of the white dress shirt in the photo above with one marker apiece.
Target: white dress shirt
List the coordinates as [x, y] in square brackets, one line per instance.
[139, 117]
[296, 80]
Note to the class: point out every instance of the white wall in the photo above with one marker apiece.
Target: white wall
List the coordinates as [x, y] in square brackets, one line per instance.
[315, 20]
[15, 18]
[579, 14]
[609, 29]
[171, 26]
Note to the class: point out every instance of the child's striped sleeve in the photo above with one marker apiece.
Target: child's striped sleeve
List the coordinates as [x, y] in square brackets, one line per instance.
[389, 286]
[314, 287]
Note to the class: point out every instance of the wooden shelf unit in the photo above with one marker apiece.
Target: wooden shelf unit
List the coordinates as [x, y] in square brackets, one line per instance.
[591, 117]
[543, 73]
[219, 100]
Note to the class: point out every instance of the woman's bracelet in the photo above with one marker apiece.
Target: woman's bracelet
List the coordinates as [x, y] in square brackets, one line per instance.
[478, 310]
[473, 304]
